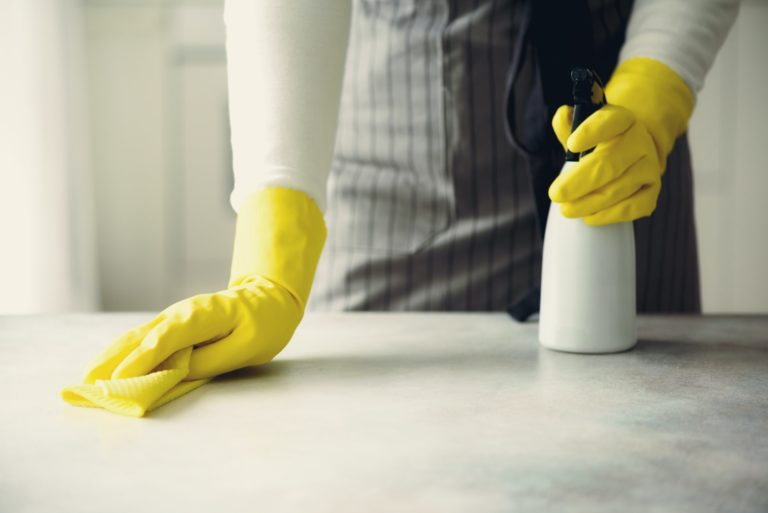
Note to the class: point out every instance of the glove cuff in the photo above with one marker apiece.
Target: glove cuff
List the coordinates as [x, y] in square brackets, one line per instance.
[280, 235]
[656, 95]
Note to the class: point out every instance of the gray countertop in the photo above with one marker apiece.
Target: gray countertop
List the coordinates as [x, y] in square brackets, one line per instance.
[401, 413]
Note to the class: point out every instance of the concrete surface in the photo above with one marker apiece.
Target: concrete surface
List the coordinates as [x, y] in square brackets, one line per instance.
[400, 413]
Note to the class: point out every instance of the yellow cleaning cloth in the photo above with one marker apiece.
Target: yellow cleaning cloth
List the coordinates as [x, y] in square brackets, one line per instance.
[136, 396]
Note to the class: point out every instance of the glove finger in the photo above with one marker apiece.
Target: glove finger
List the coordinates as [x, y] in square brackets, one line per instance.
[561, 123]
[640, 204]
[602, 126]
[268, 326]
[609, 161]
[105, 364]
[232, 352]
[639, 175]
[197, 320]
[251, 343]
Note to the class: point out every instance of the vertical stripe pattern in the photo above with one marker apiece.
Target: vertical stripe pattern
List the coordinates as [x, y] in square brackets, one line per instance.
[430, 206]
[667, 258]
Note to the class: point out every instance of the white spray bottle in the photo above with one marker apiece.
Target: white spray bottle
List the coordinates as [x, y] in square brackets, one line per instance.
[588, 272]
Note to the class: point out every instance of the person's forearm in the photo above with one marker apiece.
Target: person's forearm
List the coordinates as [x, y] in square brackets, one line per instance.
[285, 62]
[681, 34]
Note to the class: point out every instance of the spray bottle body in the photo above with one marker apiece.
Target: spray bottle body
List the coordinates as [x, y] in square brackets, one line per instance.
[588, 285]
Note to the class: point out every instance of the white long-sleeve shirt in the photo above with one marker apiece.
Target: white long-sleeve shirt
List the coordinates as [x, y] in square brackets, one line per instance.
[286, 65]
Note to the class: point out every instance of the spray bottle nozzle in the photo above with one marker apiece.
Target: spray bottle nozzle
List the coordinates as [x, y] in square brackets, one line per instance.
[585, 84]
[588, 97]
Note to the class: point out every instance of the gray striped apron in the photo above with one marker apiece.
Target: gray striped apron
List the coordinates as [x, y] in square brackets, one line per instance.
[430, 204]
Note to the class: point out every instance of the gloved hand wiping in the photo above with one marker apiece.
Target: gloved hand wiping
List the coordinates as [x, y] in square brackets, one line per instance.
[280, 235]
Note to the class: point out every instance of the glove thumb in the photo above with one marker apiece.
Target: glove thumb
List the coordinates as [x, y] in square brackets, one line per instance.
[561, 123]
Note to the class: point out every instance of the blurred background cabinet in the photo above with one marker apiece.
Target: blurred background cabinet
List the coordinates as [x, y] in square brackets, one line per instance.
[161, 154]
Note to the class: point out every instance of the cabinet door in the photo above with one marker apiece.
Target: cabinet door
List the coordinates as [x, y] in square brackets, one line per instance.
[201, 176]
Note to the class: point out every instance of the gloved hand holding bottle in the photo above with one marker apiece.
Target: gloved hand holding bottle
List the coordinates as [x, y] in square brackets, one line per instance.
[648, 109]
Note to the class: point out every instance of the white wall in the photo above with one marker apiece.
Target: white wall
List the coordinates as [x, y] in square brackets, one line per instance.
[158, 102]
[729, 140]
[46, 231]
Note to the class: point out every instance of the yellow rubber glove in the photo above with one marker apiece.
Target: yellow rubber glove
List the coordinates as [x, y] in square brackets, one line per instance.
[280, 235]
[648, 109]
